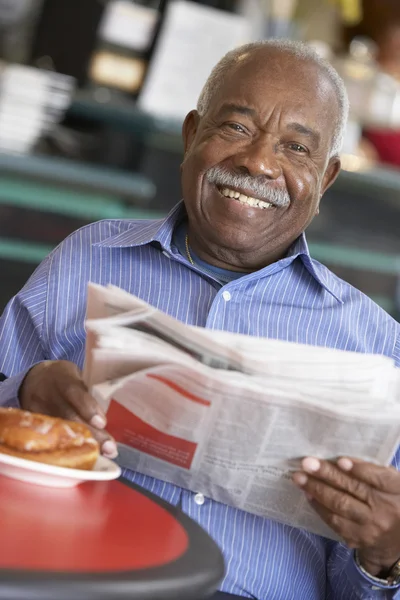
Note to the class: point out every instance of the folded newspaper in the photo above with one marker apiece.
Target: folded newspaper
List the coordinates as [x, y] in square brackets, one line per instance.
[231, 415]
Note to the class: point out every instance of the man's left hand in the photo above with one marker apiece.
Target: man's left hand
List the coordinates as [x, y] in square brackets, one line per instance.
[361, 502]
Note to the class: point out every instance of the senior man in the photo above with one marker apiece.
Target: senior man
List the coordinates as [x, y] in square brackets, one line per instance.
[260, 151]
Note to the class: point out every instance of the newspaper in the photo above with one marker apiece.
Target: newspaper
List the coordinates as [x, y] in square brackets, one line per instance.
[231, 415]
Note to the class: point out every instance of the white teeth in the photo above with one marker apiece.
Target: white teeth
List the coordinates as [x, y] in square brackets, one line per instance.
[245, 199]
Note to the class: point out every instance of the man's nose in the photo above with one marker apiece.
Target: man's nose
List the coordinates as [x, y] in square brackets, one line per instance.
[258, 158]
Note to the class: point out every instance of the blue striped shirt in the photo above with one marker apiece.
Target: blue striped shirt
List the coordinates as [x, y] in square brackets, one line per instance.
[295, 299]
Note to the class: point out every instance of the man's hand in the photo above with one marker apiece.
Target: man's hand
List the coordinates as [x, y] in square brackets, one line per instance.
[56, 388]
[361, 502]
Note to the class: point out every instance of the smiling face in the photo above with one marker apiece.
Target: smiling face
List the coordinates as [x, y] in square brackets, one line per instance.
[257, 163]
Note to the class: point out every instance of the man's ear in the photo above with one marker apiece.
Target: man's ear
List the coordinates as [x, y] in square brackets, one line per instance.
[189, 128]
[331, 174]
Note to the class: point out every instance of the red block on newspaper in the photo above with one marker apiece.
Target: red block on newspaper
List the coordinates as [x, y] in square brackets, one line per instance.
[130, 430]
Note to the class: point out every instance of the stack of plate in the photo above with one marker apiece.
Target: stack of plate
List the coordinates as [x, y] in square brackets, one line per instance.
[32, 102]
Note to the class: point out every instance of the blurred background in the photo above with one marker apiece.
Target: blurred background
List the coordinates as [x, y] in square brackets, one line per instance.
[93, 94]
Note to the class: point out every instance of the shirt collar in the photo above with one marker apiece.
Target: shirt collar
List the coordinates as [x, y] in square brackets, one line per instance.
[324, 277]
[161, 231]
[145, 232]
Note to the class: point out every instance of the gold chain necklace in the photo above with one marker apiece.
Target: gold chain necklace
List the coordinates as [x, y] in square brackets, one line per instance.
[189, 256]
[188, 251]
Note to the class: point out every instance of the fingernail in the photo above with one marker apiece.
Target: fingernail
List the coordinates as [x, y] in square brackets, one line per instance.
[98, 421]
[109, 449]
[345, 463]
[300, 479]
[311, 465]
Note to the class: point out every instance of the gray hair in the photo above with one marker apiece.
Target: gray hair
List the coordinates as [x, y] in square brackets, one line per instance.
[301, 51]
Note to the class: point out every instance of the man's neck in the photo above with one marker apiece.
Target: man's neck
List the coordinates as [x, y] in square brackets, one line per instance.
[232, 260]
[223, 276]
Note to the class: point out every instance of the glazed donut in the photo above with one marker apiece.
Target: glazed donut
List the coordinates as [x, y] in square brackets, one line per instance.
[47, 439]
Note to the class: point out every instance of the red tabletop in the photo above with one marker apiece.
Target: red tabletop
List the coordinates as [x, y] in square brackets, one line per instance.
[100, 540]
[97, 526]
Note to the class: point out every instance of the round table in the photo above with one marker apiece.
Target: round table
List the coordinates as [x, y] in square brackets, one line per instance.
[101, 540]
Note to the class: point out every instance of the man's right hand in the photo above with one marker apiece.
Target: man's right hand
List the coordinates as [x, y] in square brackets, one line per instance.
[56, 388]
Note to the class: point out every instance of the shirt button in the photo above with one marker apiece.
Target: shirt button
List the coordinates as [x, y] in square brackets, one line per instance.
[199, 499]
[226, 295]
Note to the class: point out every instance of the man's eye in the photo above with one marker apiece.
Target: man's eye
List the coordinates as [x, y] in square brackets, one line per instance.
[297, 148]
[236, 127]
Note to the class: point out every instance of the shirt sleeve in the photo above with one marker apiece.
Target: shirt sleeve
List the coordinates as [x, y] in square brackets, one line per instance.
[347, 582]
[21, 334]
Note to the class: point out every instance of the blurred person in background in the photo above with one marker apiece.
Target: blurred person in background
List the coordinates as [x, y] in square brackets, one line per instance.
[260, 151]
[381, 24]
[387, 141]
[388, 55]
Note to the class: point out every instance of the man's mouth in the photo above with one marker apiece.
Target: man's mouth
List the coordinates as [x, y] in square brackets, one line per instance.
[243, 199]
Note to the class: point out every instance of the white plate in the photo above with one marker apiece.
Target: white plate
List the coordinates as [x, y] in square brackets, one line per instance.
[42, 474]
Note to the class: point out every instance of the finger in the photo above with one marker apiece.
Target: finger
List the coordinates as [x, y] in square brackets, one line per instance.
[336, 477]
[345, 528]
[336, 501]
[64, 410]
[384, 479]
[109, 448]
[107, 443]
[84, 404]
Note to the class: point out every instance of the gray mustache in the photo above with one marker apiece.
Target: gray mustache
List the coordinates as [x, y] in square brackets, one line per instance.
[257, 186]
